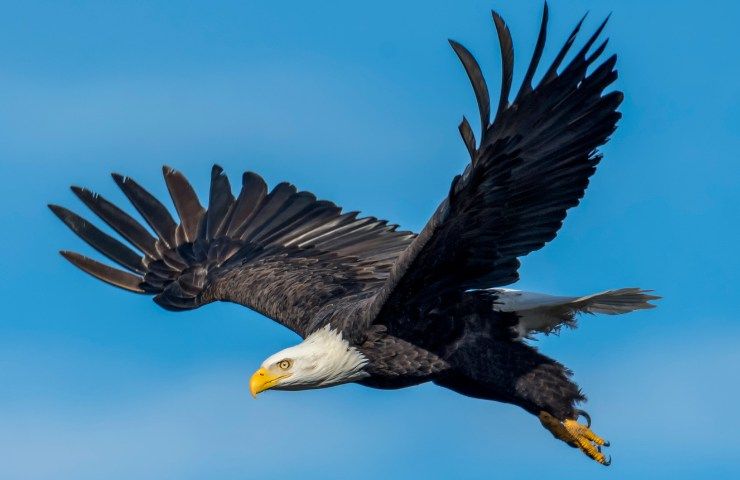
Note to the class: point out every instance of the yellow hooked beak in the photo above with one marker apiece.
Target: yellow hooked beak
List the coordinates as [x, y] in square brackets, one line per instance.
[263, 380]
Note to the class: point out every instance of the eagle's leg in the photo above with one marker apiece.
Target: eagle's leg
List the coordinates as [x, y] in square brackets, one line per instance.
[576, 435]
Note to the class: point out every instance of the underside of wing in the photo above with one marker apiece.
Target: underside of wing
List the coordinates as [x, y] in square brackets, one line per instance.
[532, 164]
[281, 252]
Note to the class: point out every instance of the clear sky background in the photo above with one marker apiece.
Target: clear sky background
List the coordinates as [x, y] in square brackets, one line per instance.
[358, 103]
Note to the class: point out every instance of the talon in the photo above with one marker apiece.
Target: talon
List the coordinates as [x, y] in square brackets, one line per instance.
[577, 435]
[584, 414]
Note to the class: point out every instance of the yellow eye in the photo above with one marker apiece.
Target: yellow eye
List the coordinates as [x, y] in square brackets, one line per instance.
[284, 364]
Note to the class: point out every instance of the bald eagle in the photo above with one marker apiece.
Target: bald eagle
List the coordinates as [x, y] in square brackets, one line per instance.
[387, 308]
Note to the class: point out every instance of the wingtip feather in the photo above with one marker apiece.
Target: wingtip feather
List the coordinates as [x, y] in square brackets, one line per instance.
[108, 274]
[56, 209]
[477, 81]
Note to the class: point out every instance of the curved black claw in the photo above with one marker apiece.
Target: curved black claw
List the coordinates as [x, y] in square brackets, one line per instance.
[584, 414]
[607, 443]
[608, 461]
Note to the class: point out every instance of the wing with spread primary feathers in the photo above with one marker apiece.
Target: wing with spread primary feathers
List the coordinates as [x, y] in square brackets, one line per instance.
[533, 163]
[282, 253]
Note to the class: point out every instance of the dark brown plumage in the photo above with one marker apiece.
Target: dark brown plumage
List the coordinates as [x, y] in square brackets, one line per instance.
[283, 253]
[416, 306]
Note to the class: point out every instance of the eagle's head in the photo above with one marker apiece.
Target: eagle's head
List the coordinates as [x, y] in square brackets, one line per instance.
[323, 359]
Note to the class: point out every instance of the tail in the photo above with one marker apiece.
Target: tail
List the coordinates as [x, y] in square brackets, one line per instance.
[541, 313]
[614, 302]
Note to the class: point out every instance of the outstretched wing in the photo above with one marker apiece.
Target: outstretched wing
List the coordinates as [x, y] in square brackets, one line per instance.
[283, 253]
[533, 163]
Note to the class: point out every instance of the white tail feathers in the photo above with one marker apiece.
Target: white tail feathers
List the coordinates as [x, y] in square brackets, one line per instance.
[539, 312]
[614, 302]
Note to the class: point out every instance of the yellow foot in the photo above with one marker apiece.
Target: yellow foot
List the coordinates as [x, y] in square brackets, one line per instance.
[577, 435]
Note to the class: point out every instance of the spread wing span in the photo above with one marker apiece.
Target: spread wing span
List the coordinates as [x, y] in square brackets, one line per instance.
[532, 164]
[282, 253]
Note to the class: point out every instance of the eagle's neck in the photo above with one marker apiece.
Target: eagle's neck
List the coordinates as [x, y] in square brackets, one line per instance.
[341, 362]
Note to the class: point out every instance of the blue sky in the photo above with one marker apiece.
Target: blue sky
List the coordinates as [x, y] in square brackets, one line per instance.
[358, 104]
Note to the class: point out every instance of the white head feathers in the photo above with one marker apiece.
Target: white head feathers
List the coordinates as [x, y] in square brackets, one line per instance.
[323, 359]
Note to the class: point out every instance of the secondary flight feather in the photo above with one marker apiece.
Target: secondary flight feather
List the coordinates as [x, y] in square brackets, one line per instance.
[383, 307]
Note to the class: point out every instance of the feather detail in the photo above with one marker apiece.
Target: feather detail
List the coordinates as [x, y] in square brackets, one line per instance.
[186, 203]
[110, 275]
[118, 220]
[507, 62]
[151, 209]
[477, 81]
[102, 242]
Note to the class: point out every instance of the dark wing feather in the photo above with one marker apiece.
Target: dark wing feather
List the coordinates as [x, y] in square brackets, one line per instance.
[477, 80]
[507, 62]
[186, 202]
[119, 220]
[283, 253]
[102, 242]
[155, 214]
[220, 203]
[533, 164]
[536, 56]
[115, 277]
[254, 191]
[466, 132]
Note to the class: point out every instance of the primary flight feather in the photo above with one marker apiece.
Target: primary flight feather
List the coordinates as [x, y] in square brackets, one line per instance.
[388, 308]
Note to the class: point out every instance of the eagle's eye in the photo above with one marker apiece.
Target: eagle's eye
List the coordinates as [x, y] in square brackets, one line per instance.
[284, 364]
